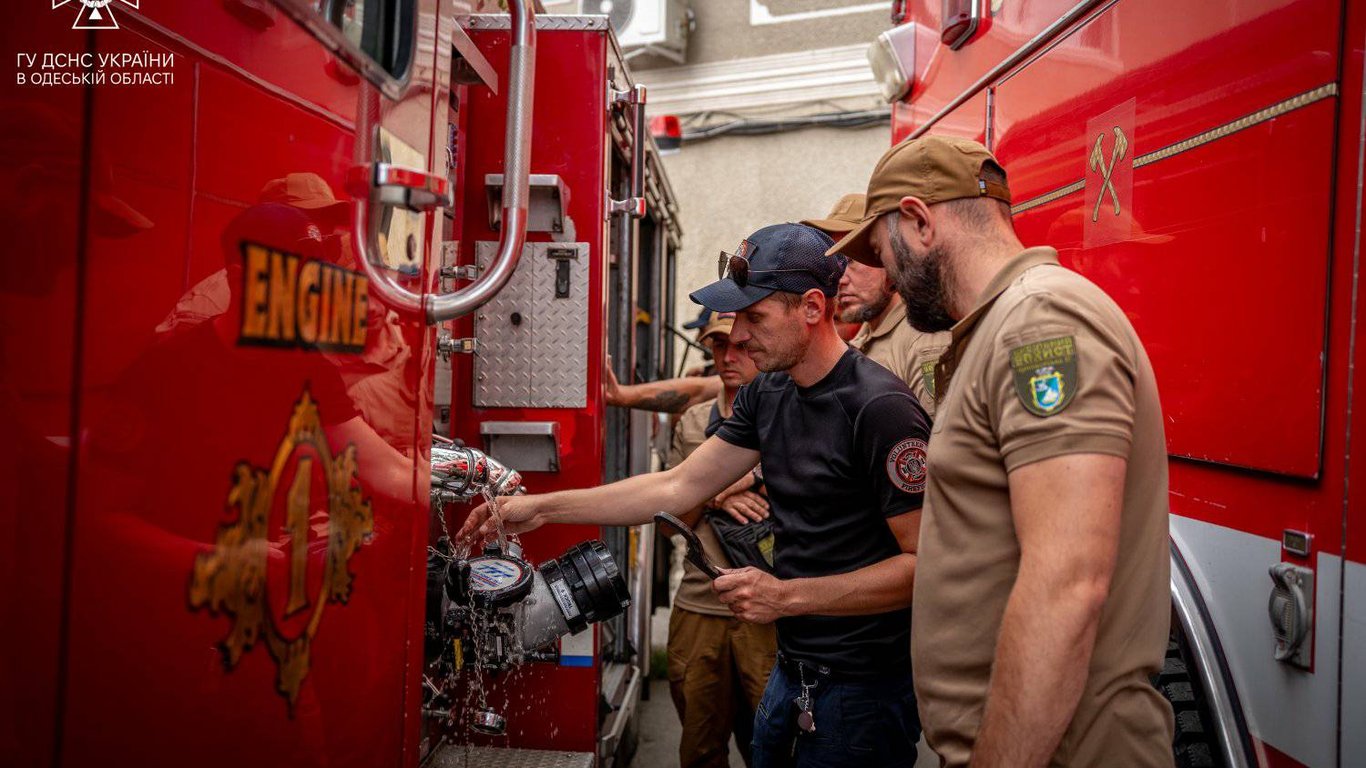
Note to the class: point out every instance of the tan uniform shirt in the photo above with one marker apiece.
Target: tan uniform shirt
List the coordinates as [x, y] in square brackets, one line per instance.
[905, 351]
[695, 592]
[1051, 367]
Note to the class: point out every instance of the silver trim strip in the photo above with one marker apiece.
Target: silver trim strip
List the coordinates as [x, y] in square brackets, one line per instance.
[1020, 54]
[1204, 645]
[1200, 139]
[611, 735]
[1343, 676]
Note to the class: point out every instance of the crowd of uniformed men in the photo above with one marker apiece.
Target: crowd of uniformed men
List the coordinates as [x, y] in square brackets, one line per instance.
[955, 521]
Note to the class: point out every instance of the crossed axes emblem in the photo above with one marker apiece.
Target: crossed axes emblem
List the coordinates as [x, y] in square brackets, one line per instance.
[1117, 152]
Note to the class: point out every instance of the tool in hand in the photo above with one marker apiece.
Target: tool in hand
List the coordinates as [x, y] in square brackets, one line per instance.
[694, 554]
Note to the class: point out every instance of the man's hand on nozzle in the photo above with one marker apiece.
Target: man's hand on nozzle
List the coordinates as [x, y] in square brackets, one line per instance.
[518, 513]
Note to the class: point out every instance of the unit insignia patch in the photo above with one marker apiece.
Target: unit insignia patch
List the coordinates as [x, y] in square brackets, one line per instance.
[906, 466]
[273, 597]
[1045, 374]
[927, 375]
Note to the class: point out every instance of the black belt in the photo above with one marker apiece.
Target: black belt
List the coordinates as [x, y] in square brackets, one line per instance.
[795, 667]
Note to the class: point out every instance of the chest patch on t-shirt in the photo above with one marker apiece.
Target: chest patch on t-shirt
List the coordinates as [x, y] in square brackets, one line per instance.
[906, 465]
[1045, 374]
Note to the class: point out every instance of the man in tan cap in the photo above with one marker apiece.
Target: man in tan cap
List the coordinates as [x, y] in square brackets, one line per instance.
[867, 296]
[718, 665]
[1041, 595]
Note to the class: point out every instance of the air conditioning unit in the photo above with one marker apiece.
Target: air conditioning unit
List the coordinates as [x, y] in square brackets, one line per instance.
[659, 27]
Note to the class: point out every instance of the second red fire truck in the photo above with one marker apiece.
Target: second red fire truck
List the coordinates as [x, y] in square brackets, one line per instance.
[1202, 162]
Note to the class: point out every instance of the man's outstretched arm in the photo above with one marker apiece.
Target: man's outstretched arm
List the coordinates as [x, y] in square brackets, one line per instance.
[633, 501]
[666, 396]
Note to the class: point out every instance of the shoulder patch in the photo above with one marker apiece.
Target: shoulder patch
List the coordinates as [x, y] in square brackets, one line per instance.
[1045, 374]
[906, 466]
[927, 376]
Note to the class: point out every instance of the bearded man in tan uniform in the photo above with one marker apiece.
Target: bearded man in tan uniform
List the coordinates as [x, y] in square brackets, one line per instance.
[867, 296]
[718, 665]
[1041, 596]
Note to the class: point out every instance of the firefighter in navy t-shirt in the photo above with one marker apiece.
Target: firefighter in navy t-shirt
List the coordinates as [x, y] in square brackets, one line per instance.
[842, 445]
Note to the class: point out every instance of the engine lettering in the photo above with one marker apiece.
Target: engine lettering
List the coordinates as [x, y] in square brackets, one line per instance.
[290, 302]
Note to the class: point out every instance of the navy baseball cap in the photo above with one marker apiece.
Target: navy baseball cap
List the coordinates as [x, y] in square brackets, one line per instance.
[782, 257]
[701, 321]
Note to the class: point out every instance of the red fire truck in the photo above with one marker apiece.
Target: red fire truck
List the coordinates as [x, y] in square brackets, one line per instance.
[258, 253]
[1202, 162]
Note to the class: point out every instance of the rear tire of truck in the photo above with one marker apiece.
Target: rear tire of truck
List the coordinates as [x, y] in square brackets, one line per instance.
[1195, 744]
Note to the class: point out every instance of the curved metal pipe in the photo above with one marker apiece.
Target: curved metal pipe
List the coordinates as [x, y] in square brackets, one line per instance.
[390, 292]
[516, 173]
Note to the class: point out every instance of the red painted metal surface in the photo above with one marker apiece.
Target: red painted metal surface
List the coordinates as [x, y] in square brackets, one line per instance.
[1235, 255]
[167, 404]
[1210, 294]
[548, 706]
[1349, 315]
[1186, 217]
[40, 206]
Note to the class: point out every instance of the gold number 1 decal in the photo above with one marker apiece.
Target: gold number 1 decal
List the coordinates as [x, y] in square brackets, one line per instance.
[296, 523]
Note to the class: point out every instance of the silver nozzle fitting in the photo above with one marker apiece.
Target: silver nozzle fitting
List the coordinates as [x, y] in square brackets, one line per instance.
[466, 472]
[488, 722]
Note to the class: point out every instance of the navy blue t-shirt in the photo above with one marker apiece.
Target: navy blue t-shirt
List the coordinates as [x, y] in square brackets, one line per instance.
[839, 458]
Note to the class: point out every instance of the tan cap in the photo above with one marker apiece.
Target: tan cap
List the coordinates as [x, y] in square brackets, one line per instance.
[720, 322]
[844, 217]
[308, 191]
[932, 168]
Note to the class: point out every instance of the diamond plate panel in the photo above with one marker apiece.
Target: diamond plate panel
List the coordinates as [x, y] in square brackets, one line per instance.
[533, 346]
[456, 756]
[544, 22]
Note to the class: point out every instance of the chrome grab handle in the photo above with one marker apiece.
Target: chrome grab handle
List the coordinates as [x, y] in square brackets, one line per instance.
[516, 173]
[411, 189]
[635, 204]
[420, 191]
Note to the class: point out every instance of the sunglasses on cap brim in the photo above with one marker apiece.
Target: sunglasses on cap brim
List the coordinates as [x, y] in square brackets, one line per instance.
[736, 266]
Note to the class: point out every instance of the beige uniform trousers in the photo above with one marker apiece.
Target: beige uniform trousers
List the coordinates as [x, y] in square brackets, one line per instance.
[718, 667]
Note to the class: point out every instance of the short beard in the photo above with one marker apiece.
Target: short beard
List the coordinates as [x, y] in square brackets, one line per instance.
[923, 285]
[781, 362]
[866, 313]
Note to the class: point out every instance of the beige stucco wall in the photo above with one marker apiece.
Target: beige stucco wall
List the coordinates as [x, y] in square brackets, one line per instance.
[730, 186]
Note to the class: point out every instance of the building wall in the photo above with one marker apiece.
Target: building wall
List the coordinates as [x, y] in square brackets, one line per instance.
[761, 60]
[730, 186]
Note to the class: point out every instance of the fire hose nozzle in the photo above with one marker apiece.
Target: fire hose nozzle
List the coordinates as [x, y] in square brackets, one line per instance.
[465, 472]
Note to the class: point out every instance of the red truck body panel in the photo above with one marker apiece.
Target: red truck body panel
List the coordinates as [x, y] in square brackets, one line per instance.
[1228, 230]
